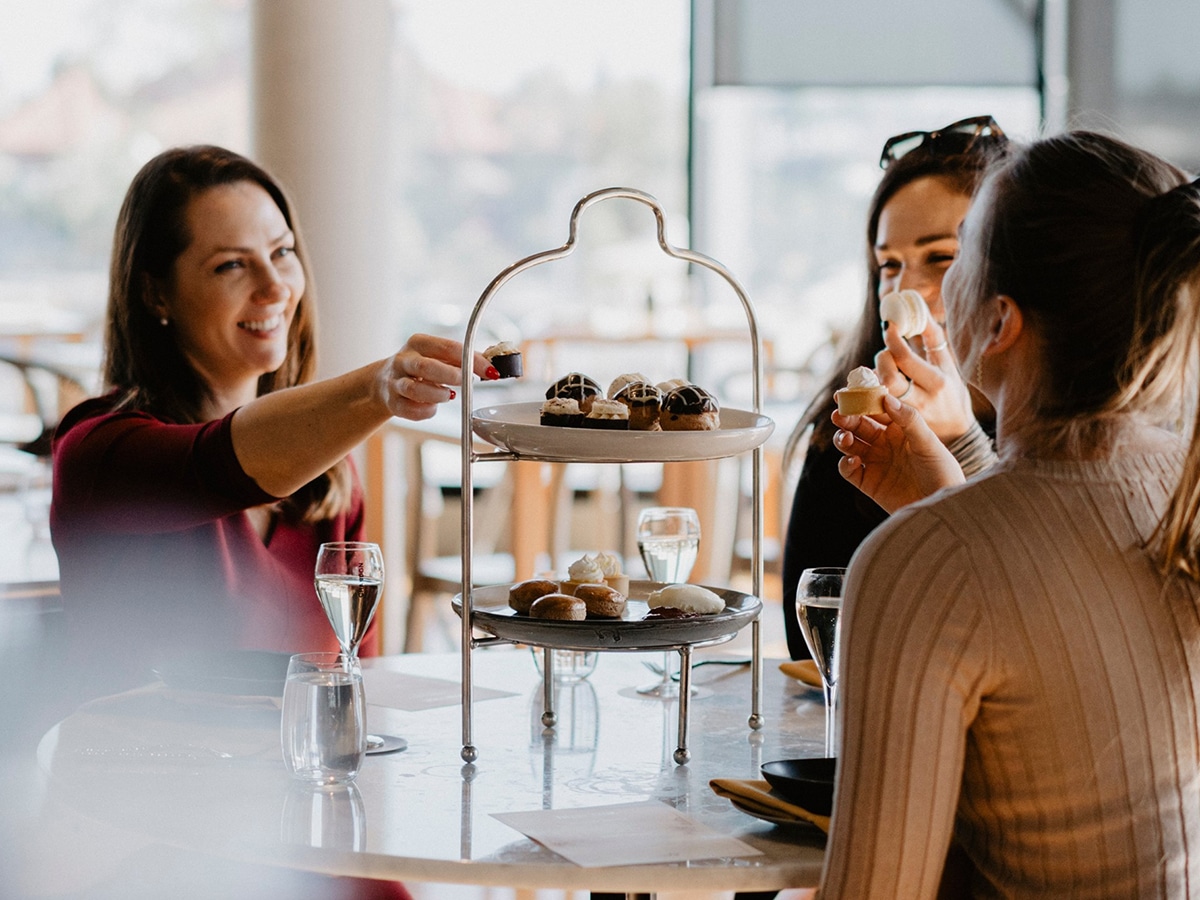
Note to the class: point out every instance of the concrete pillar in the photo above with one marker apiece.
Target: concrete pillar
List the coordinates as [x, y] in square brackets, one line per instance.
[321, 122]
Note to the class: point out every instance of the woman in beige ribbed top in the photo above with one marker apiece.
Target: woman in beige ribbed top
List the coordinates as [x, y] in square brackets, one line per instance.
[1021, 654]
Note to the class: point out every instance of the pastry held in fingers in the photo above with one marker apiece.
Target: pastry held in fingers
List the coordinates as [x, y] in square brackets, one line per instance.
[506, 358]
[906, 310]
[863, 394]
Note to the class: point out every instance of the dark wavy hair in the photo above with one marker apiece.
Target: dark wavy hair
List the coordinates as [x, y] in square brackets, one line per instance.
[964, 173]
[143, 363]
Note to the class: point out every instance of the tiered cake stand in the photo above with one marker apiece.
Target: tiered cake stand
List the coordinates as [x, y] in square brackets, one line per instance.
[515, 430]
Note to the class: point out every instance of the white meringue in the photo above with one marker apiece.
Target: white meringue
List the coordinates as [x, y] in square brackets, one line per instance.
[907, 310]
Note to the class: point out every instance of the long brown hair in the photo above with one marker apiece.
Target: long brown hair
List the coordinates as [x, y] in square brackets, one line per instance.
[1098, 244]
[143, 363]
[963, 172]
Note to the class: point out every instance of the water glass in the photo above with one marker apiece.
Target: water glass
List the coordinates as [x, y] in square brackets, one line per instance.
[324, 718]
[330, 816]
[570, 666]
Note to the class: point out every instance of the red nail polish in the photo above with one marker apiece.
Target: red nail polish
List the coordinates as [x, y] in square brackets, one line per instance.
[492, 373]
[453, 395]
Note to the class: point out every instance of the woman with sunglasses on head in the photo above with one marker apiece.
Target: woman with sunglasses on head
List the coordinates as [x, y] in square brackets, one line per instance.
[1021, 653]
[912, 237]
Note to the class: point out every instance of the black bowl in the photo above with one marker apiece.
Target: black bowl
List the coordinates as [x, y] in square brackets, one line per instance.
[806, 782]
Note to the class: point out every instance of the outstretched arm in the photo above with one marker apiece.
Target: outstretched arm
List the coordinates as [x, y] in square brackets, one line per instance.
[285, 439]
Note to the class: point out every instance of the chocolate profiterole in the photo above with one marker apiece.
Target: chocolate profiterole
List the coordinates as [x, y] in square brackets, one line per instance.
[644, 401]
[690, 408]
[578, 387]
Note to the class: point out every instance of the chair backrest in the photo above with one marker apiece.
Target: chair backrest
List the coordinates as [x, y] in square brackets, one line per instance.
[48, 392]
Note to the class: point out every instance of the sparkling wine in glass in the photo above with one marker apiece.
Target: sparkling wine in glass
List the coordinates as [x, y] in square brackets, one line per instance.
[819, 610]
[349, 582]
[668, 539]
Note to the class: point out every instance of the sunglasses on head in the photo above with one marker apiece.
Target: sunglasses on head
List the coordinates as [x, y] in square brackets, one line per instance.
[963, 136]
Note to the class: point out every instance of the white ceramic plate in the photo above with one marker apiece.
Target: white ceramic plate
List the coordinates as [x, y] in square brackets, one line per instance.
[516, 427]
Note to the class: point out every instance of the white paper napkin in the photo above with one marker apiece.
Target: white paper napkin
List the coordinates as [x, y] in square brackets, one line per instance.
[396, 690]
[624, 834]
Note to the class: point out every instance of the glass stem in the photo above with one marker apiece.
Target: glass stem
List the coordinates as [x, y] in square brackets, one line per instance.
[830, 719]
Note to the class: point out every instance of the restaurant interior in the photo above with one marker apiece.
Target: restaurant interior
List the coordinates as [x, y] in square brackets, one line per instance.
[432, 144]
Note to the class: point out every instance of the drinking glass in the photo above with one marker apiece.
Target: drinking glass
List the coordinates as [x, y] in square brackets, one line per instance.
[819, 610]
[323, 728]
[349, 582]
[668, 538]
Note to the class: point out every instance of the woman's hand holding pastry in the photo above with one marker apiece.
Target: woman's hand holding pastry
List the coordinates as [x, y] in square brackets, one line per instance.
[931, 383]
[894, 459]
[419, 377]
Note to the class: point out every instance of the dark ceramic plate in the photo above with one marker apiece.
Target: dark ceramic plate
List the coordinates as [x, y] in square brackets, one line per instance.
[806, 782]
[242, 672]
[631, 632]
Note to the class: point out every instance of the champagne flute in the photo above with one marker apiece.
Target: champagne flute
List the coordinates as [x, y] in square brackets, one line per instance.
[818, 610]
[349, 582]
[668, 539]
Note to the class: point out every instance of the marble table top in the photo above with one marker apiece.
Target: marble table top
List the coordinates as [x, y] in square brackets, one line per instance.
[204, 772]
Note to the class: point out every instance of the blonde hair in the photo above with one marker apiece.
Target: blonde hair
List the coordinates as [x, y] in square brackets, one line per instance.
[1098, 244]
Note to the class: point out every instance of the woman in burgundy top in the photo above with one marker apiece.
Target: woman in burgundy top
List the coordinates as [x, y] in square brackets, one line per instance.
[189, 500]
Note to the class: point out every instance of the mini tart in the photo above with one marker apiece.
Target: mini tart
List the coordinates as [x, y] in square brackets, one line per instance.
[570, 587]
[562, 412]
[522, 595]
[559, 607]
[645, 402]
[610, 414]
[577, 387]
[602, 602]
[506, 358]
[864, 401]
[690, 408]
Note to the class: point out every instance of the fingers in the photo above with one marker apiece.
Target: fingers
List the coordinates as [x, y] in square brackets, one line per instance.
[937, 348]
[891, 375]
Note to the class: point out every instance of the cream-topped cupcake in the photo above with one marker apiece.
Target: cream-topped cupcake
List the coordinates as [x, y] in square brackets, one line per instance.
[863, 394]
[583, 571]
[611, 414]
[610, 565]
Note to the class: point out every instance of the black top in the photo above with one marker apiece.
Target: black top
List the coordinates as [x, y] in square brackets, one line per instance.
[830, 518]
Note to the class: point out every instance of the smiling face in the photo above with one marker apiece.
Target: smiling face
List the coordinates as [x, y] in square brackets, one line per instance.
[233, 291]
[917, 239]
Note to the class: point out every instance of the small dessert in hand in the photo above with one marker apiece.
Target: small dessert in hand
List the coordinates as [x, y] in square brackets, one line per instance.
[521, 596]
[562, 412]
[506, 358]
[906, 310]
[583, 571]
[577, 387]
[610, 565]
[621, 381]
[610, 414]
[560, 607]
[644, 401]
[690, 408]
[602, 602]
[691, 598]
[863, 394]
